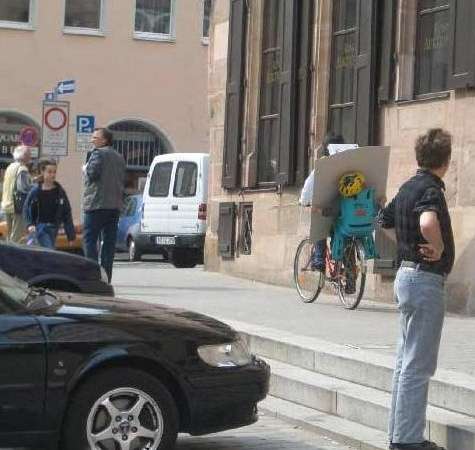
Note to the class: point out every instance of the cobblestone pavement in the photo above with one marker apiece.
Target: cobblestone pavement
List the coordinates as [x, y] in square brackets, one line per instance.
[268, 433]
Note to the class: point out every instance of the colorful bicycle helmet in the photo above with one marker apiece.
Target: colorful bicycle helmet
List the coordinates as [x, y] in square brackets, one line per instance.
[351, 184]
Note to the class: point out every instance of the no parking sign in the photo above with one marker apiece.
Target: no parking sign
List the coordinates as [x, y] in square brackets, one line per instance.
[54, 137]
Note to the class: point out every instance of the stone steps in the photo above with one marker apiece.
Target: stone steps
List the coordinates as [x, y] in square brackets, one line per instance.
[350, 433]
[449, 390]
[363, 405]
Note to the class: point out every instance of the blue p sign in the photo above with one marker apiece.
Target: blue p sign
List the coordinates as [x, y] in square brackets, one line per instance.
[85, 124]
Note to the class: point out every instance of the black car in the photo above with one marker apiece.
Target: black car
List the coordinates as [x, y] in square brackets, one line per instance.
[83, 372]
[52, 269]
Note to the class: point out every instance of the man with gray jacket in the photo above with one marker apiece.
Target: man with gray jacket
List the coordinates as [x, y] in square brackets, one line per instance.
[104, 178]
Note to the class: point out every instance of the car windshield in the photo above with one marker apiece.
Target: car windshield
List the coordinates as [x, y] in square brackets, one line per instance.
[12, 289]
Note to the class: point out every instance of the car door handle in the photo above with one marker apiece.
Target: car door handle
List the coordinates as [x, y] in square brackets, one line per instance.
[174, 207]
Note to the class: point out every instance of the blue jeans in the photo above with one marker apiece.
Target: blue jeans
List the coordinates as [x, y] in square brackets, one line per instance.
[318, 257]
[46, 234]
[101, 223]
[420, 298]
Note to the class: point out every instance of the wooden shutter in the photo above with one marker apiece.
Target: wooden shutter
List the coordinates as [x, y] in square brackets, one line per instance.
[287, 43]
[365, 69]
[461, 40]
[387, 34]
[234, 93]
[303, 89]
[226, 229]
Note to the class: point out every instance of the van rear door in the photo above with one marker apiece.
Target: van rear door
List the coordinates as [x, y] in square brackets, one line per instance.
[157, 204]
[185, 198]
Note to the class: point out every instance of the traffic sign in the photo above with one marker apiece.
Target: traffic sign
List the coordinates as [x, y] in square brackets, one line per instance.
[66, 87]
[29, 136]
[85, 124]
[84, 129]
[54, 138]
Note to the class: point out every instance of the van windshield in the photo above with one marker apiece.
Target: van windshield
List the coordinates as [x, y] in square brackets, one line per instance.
[185, 179]
[160, 181]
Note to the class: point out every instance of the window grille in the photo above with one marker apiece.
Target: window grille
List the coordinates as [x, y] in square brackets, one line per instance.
[245, 238]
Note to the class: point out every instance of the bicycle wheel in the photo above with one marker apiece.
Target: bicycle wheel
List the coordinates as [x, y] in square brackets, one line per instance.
[352, 274]
[308, 282]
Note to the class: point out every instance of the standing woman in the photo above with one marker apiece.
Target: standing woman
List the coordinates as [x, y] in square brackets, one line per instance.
[47, 207]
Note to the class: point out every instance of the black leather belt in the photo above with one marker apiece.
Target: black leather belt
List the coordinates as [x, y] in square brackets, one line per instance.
[422, 266]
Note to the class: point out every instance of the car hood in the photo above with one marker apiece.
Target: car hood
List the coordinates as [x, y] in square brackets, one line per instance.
[141, 318]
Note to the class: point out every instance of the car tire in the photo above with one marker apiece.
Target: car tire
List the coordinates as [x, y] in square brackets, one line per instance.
[134, 253]
[104, 395]
[184, 258]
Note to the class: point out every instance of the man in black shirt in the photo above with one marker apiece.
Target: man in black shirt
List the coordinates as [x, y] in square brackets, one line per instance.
[425, 245]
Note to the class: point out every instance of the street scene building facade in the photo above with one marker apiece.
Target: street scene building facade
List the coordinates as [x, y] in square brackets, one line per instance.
[283, 73]
[139, 68]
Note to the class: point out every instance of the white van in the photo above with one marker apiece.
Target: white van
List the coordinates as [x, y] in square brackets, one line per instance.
[174, 208]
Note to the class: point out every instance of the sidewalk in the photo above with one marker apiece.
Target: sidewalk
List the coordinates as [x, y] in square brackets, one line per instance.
[372, 326]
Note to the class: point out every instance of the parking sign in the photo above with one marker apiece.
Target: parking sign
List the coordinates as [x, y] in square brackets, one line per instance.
[84, 129]
[85, 124]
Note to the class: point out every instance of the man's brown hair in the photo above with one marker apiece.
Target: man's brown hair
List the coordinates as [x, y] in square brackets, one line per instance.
[434, 149]
[106, 134]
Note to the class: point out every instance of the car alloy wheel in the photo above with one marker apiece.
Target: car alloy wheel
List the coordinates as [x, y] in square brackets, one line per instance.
[125, 418]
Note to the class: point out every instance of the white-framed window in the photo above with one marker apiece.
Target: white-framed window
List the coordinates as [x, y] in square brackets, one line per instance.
[84, 17]
[207, 7]
[18, 14]
[155, 20]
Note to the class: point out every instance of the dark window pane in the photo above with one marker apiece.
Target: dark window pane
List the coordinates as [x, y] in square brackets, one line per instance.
[429, 4]
[185, 179]
[153, 16]
[160, 182]
[270, 93]
[270, 35]
[83, 14]
[206, 16]
[344, 14]
[15, 10]
[342, 121]
[268, 150]
[270, 84]
[343, 68]
[432, 52]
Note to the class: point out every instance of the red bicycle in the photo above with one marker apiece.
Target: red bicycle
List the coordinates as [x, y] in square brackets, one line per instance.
[347, 277]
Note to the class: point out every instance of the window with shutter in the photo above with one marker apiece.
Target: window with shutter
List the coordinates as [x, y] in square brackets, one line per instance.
[226, 229]
[306, 15]
[386, 59]
[284, 91]
[352, 82]
[234, 93]
[461, 61]
[432, 46]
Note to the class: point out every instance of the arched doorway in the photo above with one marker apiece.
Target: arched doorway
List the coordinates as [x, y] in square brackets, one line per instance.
[138, 142]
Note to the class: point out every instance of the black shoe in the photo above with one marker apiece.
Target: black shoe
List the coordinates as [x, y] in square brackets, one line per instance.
[426, 445]
[350, 287]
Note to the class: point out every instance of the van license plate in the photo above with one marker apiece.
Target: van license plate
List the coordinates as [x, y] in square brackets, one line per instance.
[165, 240]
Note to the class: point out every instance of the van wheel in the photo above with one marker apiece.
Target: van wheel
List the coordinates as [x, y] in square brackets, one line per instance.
[134, 253]
[185, 258]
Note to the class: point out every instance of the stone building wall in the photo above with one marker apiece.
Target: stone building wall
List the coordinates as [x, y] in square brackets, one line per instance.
[279, 223]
